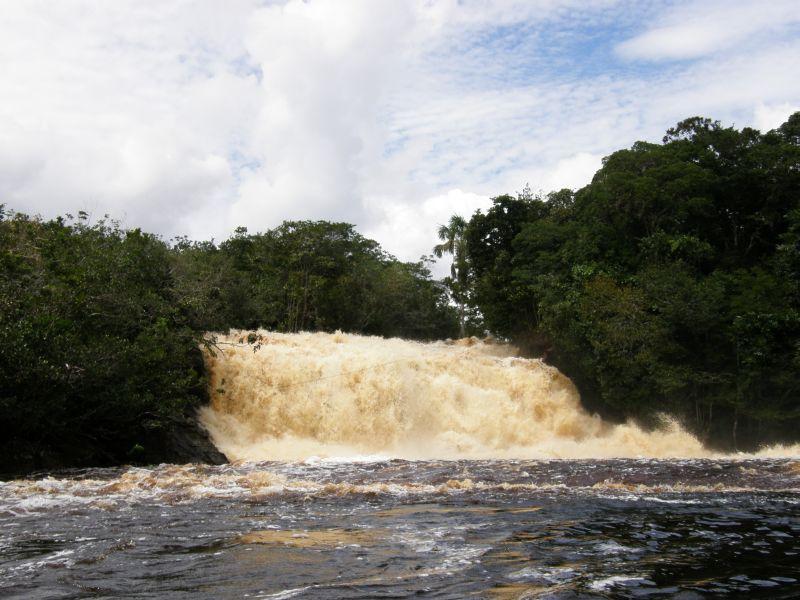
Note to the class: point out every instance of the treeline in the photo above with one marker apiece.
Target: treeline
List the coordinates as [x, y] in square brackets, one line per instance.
[308, 276]
[670, 283]
[100, 327]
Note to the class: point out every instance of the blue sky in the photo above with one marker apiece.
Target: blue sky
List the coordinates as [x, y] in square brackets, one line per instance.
[195, 117]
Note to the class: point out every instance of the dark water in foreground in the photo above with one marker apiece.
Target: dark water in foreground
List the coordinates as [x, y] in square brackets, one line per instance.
[394, 529]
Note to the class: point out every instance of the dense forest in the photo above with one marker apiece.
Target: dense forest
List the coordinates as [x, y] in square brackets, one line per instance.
[101, 328]
[669, 284]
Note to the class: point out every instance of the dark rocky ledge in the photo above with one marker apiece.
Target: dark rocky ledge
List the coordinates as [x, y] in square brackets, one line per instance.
[184, 441]
[180, 440]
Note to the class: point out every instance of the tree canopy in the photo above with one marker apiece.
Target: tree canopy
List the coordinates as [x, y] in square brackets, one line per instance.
[670, 283]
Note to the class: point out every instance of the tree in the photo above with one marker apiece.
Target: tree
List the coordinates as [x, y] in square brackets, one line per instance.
[454, 244]
[96, 358]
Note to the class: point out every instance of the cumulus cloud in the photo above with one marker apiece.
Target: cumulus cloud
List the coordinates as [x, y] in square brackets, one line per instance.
[771, 116]
[196, 117]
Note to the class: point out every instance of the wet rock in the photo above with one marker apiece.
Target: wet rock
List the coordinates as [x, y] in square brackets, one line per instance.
[183, 441]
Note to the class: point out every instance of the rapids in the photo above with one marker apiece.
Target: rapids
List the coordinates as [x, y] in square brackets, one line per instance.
[340, 395]
[324, 529]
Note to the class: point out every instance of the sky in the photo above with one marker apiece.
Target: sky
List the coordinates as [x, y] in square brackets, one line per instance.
[192, 117]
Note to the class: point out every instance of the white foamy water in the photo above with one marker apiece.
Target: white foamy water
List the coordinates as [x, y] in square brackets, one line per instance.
[340, 396]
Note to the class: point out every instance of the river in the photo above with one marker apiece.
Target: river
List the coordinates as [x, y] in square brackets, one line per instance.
[392, 528]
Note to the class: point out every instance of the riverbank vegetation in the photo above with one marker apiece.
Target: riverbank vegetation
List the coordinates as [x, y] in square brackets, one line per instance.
[670, 283]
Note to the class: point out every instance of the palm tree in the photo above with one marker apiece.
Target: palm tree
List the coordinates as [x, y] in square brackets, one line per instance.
[454, 243]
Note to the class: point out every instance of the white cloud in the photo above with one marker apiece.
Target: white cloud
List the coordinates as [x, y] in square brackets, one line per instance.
[324, 72]
[572, 172]
[699, 28]
[125, 109]
[411, 228]
[770, 116]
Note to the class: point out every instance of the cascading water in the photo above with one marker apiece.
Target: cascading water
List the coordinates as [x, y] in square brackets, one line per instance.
[318, 394]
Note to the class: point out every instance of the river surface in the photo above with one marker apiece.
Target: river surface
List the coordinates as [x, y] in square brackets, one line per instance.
[393, 529]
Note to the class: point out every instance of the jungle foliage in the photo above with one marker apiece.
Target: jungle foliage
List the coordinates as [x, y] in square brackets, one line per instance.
[670, 283]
